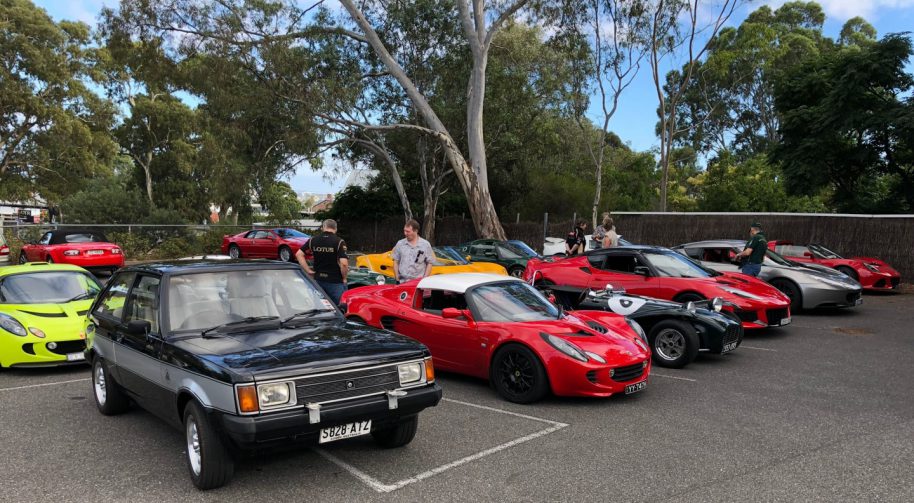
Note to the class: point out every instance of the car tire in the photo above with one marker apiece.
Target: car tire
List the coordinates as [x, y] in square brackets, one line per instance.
[674, 344]
[847, 271]
[516, 271]
[234, 251]
[518, 375]
[109, 397]
[49, 260]
[208, 461]
[399, 435]
[791, 290]
[23, 259]
[285, 254]
[688, 297]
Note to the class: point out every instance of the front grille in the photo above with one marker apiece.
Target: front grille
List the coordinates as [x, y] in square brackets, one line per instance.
[340, 385]
[596, 326]
[733, 333]
[628, 373]
[67, 347]
[879, 284]
[746, 315]
[776, 315]
[592, 376]
[853, 296]
[895, 282]
[28, 348]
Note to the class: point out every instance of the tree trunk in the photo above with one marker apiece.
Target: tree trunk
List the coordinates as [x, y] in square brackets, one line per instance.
[476, 91]
[430, 208]
[381, 152]
[485, 219]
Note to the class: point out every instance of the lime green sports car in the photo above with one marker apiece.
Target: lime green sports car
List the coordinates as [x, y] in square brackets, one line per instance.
[43, 314]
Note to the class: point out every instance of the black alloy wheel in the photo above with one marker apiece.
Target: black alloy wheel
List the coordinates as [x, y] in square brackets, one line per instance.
[518, 375]
[791, 290]
[22, 258]
[516, 271]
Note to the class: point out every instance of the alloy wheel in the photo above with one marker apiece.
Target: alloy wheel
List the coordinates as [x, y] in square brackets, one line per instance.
[670, 344]
[517, 373]
[193, 445]
[101, 390]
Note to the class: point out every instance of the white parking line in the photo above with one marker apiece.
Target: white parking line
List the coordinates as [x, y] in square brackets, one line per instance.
[381, 487]
[44, 384]
[760, 349]
[674, 377]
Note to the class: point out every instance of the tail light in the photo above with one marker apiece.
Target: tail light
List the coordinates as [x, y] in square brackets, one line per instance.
[4, 250]
[116, 251]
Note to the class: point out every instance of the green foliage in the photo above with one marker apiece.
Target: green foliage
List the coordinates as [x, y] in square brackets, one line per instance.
[281, 203]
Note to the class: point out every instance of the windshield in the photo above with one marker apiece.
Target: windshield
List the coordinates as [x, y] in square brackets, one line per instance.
[205, 300]
[51, 287]
[447, 255]
[823, 252]
[676, 265]
[506, 252]
[523, 248]
[290, 233]
[512, 301]
[778, 259]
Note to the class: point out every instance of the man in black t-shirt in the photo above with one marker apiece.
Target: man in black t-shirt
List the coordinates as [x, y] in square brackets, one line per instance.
[331, 265]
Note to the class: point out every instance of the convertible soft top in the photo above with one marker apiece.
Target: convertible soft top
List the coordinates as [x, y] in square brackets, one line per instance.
[77, 236]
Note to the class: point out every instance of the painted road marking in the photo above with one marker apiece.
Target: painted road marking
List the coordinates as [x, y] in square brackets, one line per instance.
[381, 487]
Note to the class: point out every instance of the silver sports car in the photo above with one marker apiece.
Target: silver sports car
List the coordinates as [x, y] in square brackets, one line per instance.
[807, 287]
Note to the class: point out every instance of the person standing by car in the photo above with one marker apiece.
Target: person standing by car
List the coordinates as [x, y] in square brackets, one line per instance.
[576, 241]
[413, 256]
[610, 238]
[331, 264]
[753, 254]
[599, 232]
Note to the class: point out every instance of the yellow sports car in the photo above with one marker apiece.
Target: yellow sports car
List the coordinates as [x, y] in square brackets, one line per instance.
[447, 261]
[43, 314]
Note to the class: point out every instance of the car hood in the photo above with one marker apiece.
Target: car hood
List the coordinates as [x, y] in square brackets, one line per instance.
[873, 261]
[311, 348]
[758, 289]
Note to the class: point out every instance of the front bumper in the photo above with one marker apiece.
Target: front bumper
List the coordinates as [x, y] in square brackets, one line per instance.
[764, 317]
[569, 377]
[880, 281]
[34, 352]
[830, 297]
[250, 432]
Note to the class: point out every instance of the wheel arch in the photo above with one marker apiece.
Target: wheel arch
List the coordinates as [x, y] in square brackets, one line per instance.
[688, 292]
[509, 342]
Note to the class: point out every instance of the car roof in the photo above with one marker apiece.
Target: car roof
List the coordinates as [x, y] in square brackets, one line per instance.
[713, 243]
[601, 251]
[38, 267]
[461, 282]
[190, 266]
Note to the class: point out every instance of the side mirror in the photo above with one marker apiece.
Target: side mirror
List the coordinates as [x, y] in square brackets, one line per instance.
[344, 307]
[451, 313]
[807, 254]
[552, 298]
[138, 327]
[641, 270]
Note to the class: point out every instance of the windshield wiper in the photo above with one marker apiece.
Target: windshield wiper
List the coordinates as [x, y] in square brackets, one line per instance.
[249, 319]
[305, 314]
[84, 295]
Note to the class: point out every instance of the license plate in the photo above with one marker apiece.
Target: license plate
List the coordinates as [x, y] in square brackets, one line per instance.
[95, 252]
[785, 321]
[729, 347]
[75, 357]
[858, 301]
[342, 431]
[634, 388]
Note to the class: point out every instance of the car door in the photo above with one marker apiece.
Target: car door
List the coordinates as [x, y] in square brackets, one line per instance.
[107, 315]
[39, 251]
[453, 342]
[617, 268]
[264, 245]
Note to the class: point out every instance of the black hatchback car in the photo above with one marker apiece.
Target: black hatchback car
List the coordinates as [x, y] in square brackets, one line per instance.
[243, 355]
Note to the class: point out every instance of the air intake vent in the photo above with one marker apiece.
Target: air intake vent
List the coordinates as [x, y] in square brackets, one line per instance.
[592, 376]
[389, 322]
[596, 326]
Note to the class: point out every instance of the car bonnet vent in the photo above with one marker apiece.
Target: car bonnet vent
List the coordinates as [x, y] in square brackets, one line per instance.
[596, 326]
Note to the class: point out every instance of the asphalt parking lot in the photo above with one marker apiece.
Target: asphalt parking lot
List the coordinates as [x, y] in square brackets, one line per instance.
[821, 410]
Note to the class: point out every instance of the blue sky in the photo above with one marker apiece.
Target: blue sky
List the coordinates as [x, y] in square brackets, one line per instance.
[635, 119]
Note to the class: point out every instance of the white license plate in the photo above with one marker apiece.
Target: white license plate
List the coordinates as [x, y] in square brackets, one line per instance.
[75, 357]
[729, 347]
[342, 431]
[634, 388]
[858, 301]
[95, 252]
[785, 321]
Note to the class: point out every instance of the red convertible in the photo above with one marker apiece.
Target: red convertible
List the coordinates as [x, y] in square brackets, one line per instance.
[86, 249]
[871, 273]
[265, 243]
[663, 274]
[501, 329]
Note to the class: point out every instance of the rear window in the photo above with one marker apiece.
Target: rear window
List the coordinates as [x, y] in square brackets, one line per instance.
[77, 237]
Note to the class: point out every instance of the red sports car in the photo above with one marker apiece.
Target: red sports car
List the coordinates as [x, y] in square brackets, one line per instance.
[663, 274]
[265, 243]
[86, 249]
[871, 273]
[504, 330]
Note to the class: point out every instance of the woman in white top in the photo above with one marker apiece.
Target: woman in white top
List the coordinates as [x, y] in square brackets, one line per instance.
[610, 238]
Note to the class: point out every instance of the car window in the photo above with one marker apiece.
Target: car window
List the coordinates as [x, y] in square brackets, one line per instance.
[791, 250]
[48, 287]
[262, 235]
[624, 263]
[514, 301]
[290, 233]
[485, 251]
[112, 302]
[716, 255]
[83, 238]
[143, 302]
[250, 235]
[695, 253]
[674, 265]
[46, 239]
[435, 301]
[823, 252]
[506, 253]
[206, 299]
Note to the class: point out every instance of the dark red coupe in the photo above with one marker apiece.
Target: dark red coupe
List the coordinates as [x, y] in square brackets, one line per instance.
[663, 274]
[86, 249]
[501, 329]
[278, 243]
[871, 273]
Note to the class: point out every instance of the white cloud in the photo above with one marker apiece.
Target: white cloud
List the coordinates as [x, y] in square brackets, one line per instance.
[846, 9]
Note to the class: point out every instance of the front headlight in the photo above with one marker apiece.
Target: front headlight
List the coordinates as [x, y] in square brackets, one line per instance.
[741, 293]
[276, 394]
[564, 346]
[637, 328]
[12, 326]
[379, 279]
[690, 306]
[717, 304]
[410, 373]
